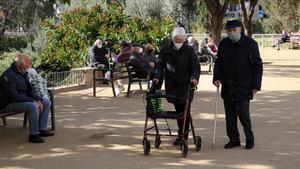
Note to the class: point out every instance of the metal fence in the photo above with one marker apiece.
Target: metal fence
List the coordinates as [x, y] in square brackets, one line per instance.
[263, 40]
[66, 79]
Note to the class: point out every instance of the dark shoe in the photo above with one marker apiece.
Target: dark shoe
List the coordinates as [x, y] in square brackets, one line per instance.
[46, 133]
[249, 144]
[177, 142]
[232, 144]
[106, 83]
[35, 139]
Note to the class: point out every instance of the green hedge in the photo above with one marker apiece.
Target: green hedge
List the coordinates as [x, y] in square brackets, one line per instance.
[67, 44]
[9, 43]
[6, 58]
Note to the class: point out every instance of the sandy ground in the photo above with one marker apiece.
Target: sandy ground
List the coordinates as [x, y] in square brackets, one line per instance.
[106, 132]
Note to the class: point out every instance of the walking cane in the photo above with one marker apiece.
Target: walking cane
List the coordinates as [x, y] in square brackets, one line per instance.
[215, 120]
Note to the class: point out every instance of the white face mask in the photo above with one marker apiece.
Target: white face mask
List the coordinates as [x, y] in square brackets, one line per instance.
[99, 45]
[140, 50]
[178, 45]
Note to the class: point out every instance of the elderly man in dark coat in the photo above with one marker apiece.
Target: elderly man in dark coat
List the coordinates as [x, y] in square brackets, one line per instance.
[16, 95]
[180, 64]
[239, 69]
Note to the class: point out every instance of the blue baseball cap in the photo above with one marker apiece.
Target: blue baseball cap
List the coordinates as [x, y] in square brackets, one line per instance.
[233, 24]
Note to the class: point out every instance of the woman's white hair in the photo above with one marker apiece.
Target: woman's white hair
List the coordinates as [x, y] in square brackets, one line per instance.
[97, 41]
[179, 31]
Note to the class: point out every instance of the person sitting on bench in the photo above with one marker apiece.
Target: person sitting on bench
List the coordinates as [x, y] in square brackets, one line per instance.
[205, 54]
[137, 62]
[18, 96]
[283, 39]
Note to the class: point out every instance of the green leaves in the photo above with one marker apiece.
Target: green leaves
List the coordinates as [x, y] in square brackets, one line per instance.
[68, 43]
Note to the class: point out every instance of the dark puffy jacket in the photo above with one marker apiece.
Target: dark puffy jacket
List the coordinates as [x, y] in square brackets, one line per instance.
[97, 55]
[180, 67]
[15, 87]
[239, 68]
[139, 65]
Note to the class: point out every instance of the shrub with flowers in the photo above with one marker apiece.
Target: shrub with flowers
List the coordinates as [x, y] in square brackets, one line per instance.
[68, 42]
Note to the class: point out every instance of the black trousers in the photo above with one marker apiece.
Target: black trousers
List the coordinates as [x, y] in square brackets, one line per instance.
[233, 110]
[180, 109]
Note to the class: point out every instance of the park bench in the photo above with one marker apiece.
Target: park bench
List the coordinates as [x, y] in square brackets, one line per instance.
[134, 79]
[117, 71]
[3, 114]
[295, 42]
[208, 62]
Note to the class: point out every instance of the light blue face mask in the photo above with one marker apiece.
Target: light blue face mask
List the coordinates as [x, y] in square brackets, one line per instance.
[234, 36]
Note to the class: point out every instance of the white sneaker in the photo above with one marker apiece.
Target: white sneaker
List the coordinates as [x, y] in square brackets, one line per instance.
[118, 92]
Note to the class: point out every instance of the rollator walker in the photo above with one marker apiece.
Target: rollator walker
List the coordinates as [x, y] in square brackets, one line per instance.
[154, 112]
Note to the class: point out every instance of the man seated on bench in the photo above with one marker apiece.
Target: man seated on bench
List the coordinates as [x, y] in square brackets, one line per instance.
[18, 96]
[138, 63]
[283, 39]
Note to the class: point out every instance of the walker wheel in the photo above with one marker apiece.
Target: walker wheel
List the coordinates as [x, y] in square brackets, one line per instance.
[146, 145]
[198, 143]
[157, 142]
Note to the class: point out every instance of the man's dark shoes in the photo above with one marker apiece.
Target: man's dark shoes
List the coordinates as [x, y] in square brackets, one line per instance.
[35, 139]
[46, 133]
[249, 144]
[177, 142]
[232, 144]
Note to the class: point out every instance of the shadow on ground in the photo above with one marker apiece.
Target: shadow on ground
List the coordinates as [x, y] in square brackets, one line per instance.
[106, 132]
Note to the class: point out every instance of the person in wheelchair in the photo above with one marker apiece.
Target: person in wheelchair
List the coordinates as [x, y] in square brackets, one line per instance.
[179, 63]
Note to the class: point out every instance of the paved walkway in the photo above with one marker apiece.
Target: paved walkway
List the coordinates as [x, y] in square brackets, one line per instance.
[106, 132]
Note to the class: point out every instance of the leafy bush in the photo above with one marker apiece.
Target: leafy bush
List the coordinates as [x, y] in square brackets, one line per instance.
[6, 58]
[257, 27]
[9, 43]
[271, 25]
[67, 44]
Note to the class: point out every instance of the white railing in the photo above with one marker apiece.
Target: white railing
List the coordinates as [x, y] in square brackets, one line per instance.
[66, 79]
[15, 34]
[263, 40]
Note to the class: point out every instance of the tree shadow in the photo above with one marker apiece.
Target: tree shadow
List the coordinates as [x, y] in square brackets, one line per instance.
[93, 132]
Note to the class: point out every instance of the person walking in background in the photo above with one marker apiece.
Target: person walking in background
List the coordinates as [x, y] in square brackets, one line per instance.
[239, 69]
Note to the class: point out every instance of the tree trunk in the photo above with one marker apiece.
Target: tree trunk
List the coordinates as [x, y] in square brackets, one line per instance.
[247, 16]
[2, 25]
[216, 13]
[248, 28]
[217, 26]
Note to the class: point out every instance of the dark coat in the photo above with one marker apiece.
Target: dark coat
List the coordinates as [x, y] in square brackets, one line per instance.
[97, 55]
[180, 67]
[239, 68]
[124, 55]
[15, 87]
[147, 57]
[140, 65]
